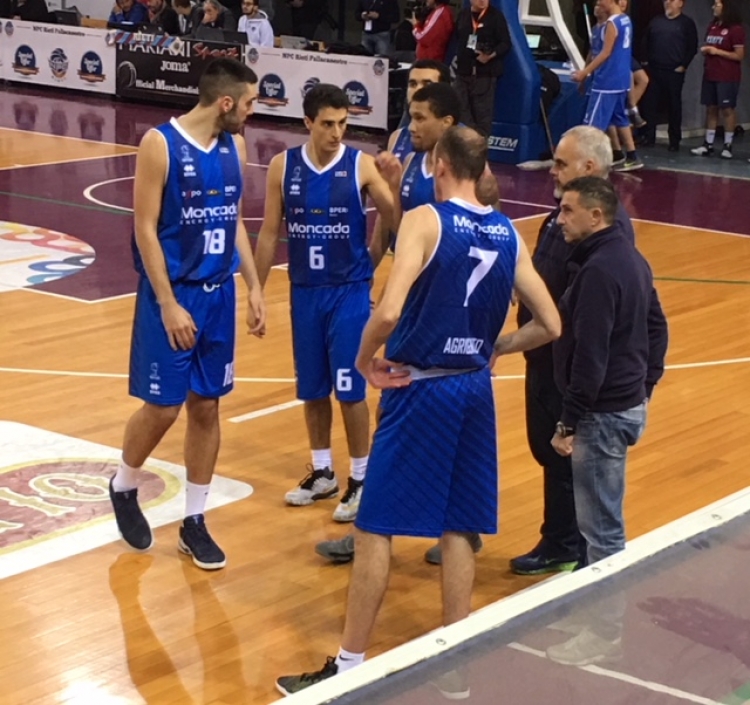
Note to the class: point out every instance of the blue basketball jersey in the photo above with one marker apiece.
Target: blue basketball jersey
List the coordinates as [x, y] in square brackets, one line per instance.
[197, 225]
[403, 147]
[417, 186]
[326, 220]
[614, 74]
[597, 39]
[457, 306]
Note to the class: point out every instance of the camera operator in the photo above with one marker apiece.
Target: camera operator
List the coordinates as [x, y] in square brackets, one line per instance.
[433, 27]
[483, 40]
[377, 17]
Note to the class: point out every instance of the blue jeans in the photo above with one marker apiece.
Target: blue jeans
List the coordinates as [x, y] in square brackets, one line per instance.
[378, 43]
[599, 453]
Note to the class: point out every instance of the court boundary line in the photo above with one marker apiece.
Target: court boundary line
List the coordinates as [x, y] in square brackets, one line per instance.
[484, 620]
[67, 161]
[699, 173]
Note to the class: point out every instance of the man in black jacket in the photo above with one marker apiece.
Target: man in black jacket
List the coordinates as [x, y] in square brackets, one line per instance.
[582, 151]
[670, 43]
[306, 16]
[377, 18]
[483, 40]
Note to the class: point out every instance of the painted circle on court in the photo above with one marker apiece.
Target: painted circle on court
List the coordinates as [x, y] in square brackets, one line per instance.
[30, 255]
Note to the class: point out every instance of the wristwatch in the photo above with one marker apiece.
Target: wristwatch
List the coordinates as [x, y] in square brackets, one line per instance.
[564, 431]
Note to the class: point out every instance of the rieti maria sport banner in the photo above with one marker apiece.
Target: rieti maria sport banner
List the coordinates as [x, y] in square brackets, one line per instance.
[57, 55]
[287, 74]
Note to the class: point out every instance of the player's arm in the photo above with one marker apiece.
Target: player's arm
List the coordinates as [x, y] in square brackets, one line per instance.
[610, 37]
[378, 242]
[148, 189]
[256, 309]
[417, 238]
[381, 192]
[268, 238]
[545, 324]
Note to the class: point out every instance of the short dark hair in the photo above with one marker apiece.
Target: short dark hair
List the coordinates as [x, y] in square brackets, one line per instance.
[595, 192]
[442, 99]
[465, 150]
[730, 13]
[432, 64]
[224, 77]
[321, 96]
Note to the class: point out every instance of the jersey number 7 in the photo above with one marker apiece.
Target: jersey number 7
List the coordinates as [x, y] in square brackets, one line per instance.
[486, 259]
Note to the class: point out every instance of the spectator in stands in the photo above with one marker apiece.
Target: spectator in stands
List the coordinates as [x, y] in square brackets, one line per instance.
[215, 16]
[671, 42]
[306, 16]
[127, 12]
[433, 30]
[161, 14]
[255, 23]
[188, 15]
[377, 17]
[483, 40]
[723, 52]
[30, 11]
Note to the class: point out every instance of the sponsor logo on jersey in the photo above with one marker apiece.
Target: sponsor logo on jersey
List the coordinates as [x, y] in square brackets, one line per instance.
[186, 158]
[189, 170]
[343, 174]
[463, 346]
[463, 222]
[191, 214]
[338, 210]
[192, 194]
[213, 192]
[229, 190]
[307, 229]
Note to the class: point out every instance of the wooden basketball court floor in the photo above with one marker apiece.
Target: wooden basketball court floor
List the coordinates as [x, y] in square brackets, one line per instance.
[111, 626]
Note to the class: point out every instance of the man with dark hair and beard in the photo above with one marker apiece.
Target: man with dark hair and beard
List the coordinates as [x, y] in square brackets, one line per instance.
[188, 241]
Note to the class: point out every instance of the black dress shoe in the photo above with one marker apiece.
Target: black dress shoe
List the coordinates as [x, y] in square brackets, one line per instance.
[673, 148]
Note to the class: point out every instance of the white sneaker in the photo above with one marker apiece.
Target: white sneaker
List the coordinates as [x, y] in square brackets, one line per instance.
[317, 484]
[705, 150]
[726, 153]
[349, 505]
[585, 649]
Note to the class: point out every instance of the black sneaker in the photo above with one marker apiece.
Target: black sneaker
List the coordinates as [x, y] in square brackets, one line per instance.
[131, 523]
[197, 542]
[537, 563]
[287, 685]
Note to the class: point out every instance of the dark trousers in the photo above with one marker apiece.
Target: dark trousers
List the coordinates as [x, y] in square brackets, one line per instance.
[665, 86]
[303, 28]
[477, 96]
[560, 535]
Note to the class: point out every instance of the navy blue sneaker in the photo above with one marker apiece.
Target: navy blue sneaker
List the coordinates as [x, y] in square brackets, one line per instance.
[537, 563]
[197, 542]
[131, 523]
[288, 685]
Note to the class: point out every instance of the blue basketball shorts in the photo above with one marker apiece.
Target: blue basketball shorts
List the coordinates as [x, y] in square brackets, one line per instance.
[433, 463]
[327, 325]
[605, 109]
[162, 376]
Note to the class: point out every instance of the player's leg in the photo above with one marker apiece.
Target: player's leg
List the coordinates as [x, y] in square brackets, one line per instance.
[638, 85]
[158, 376]
[212, 376]
[621, 121]
[457, 575]
[346, 323]
[617, 153]
[709, 98]
[313, 388]
[728, 92]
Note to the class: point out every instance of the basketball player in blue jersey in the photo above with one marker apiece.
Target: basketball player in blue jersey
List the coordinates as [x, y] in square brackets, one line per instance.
[319, 188]
[611, 69]
[433, 467]
[189, 240]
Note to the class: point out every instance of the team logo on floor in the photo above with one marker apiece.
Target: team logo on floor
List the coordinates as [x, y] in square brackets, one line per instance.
[54, 496]
[272, 91]
[91, 69]
[359, 98]
[24, 61]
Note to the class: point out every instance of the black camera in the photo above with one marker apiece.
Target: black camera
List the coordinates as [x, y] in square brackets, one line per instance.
[416, 9]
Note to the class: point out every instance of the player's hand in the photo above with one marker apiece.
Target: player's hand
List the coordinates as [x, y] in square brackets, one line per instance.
[390, 169]
[256, 313]
[578, 76]
[563, 446]
[384, 374]
[179, 325]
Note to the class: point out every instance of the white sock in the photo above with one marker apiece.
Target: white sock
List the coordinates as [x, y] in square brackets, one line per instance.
[195, 498]
[358, 467]
[710, 136]
[322, 459]
[126, 478]
[346, 660]
[728, 138]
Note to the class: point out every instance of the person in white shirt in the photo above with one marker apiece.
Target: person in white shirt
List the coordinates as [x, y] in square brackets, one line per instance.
[255, 22]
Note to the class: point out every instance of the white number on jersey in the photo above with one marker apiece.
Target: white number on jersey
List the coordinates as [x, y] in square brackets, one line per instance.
[486, 260]
[228, 374]
[214, 241]
[626, 37]
[317, 260]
